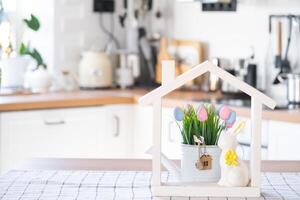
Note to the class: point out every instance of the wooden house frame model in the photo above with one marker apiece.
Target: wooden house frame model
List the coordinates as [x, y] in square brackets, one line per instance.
[170, 83]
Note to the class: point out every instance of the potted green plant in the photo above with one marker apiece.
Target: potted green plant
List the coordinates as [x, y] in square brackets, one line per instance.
[204, 123]
[37, 79]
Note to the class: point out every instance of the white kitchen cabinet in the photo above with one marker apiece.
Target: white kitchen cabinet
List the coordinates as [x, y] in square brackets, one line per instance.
[284, 140]
[244, 139]
[90, 132]
[143, 130]
[68, 133]
[117, 139]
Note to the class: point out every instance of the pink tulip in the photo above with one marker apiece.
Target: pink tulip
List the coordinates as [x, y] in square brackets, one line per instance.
[225, 112]
[202, 114]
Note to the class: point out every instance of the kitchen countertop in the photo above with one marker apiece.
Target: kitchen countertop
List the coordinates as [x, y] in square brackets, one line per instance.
[24, 101]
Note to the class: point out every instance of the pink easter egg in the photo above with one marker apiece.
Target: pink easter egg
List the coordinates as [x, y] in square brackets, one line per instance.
[224, 112]
[229, 125]
[202, 114]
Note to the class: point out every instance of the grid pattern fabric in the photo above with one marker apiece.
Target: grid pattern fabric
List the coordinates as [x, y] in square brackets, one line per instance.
[119, 185]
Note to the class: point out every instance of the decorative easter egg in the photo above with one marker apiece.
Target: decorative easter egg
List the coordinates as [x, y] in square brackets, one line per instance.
[228, 125]
[178, 114]
[232, 117]
[202, 114]
[224, 112]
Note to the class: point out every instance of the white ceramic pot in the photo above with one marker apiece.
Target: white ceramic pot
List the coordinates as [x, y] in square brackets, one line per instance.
[189, 172]
[38, 81]
[12, 72]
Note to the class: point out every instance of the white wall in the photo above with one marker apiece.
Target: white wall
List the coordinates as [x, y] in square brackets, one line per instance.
[230, 34]
[68, 27]
[42, 40]
[78, 29]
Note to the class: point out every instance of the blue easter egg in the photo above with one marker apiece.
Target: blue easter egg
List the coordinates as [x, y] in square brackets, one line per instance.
[178, 114]
[232, 117]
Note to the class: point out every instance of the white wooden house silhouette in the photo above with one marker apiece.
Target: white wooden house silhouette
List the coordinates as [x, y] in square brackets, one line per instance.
[170, 83]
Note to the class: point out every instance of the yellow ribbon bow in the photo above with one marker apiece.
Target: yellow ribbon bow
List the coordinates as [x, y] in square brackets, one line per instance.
[231, 158]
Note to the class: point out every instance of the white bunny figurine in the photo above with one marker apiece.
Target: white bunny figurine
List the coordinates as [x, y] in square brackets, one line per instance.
[234, 172]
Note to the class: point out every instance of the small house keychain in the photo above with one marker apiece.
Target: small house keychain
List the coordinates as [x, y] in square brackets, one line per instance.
[204, 161]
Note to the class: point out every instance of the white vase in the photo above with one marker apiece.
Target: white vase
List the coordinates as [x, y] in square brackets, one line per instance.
[189, 172]
[12, 72]
[39, 80]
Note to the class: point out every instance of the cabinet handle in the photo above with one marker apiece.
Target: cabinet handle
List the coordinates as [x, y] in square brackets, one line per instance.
[50, 123]
[117, 120]
[170, 134]
[249, 145]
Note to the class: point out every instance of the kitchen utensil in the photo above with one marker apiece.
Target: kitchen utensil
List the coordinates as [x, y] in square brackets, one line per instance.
[250, 67]
[294, 55]
[284, 63]
[251, 75]
[162, 55]
[146, 52]
[147, 60]
[125, 73]
[95, 70]
[125, 77]
[293, 87]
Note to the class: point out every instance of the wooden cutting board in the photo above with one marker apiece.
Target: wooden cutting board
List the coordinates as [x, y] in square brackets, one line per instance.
[179, 67]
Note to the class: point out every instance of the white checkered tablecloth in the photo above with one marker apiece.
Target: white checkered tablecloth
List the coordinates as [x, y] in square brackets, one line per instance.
[118, 185]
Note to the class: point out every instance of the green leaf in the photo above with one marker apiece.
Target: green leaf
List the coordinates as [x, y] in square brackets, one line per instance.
[23, 49]
[37, 56]
[32, 23]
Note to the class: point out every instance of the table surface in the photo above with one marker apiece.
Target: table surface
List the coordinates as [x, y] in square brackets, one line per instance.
[122, 179]
[119, 185]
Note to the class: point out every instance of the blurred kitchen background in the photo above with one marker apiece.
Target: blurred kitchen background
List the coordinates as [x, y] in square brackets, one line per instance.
[71, 71]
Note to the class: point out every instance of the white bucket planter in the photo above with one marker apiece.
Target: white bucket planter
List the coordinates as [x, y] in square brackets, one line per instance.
[189, 172]
[12, 72]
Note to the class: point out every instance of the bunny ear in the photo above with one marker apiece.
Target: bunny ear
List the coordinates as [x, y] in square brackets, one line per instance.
[238, 127]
